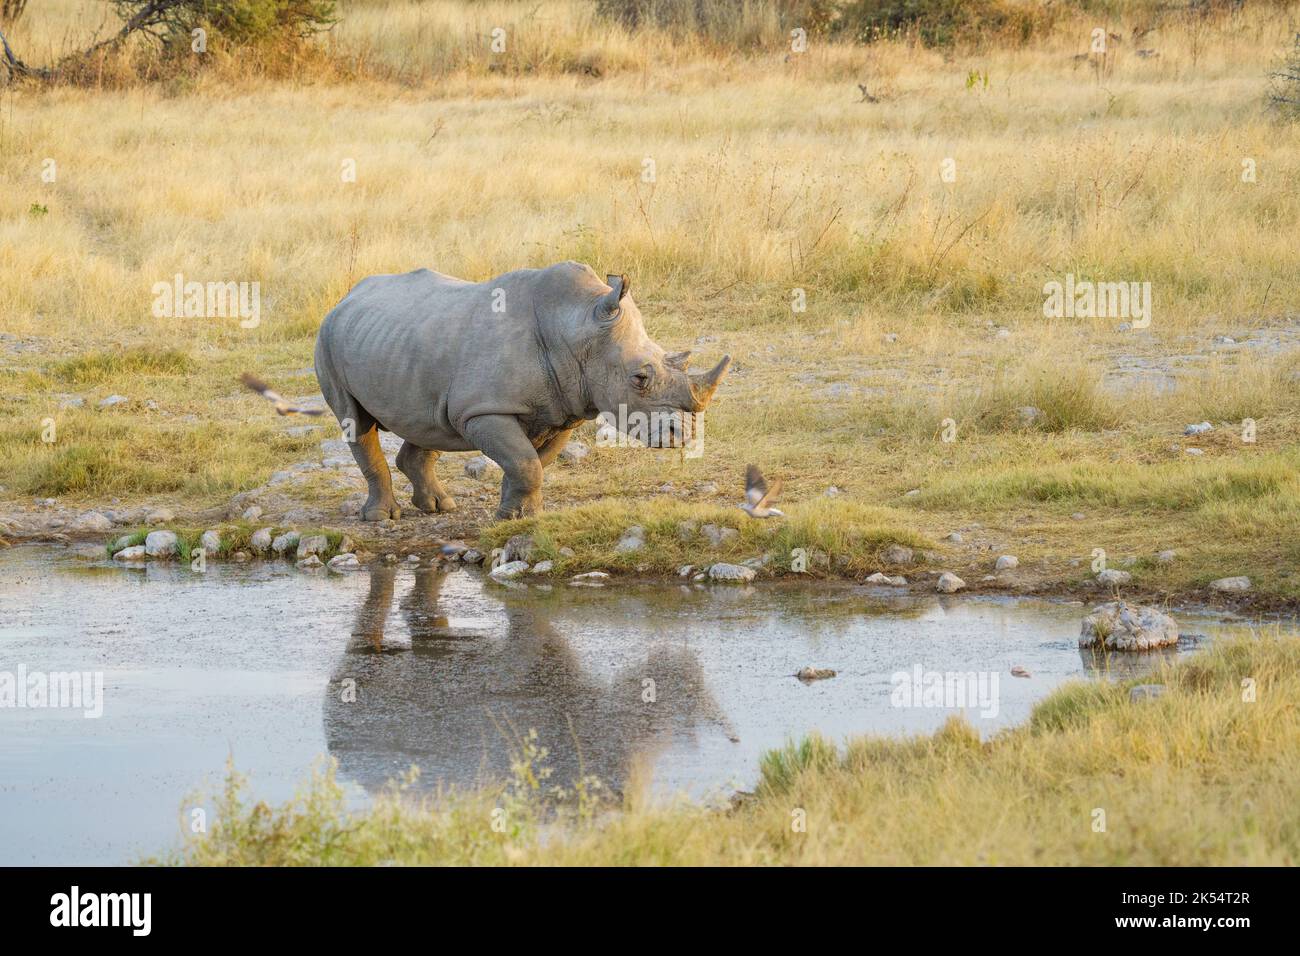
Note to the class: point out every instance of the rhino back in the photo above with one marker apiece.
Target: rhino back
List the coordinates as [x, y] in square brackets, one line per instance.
[423, 353]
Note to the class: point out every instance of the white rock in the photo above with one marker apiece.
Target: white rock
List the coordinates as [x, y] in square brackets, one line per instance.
[1238, 583]
[260, 540]
[730, 572]
[286, 542]
[719, 536]
[1006, 562]
[573, 452]
[589, 579]
[955, 537]
[511, 569]
[896, 581]
[479, 466]
[342, 563]
[316, 544]
[897, 554]
[949, 583]
[1112, 576]
[1199, 429]
[210, 542]
[161, 544]
[310, 562]
[134, 553]
[112, 400]
[685, 570]
[92, 521]
[1166, 557]
[159, 516]
[633, 540]
[1119, 626]
[543, 567]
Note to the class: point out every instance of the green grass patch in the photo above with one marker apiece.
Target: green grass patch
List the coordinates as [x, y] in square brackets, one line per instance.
[849, 534]
[122, 364]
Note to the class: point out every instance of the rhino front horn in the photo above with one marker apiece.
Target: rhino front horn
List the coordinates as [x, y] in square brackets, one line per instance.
[705, 384]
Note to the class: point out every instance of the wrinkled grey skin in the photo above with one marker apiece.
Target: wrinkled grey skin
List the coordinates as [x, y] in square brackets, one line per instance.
[508, 367]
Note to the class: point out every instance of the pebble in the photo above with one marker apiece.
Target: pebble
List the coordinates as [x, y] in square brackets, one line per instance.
[342, 563]
[808, 674]
[730, 572]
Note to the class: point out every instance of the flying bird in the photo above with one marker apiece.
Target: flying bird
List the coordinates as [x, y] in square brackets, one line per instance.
[281, 406]
[759, 495]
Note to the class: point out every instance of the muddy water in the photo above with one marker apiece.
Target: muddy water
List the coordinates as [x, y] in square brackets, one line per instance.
[386, 668]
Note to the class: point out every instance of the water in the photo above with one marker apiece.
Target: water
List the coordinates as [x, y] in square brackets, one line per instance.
[390, 667]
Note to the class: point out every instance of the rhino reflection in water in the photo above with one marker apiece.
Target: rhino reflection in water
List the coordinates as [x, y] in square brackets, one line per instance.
[456, 701]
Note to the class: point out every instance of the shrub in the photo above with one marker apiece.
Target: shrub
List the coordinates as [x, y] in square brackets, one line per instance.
[940, 22]
[236, 22]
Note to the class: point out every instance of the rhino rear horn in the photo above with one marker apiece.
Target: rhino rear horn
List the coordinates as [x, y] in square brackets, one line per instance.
[704, 384]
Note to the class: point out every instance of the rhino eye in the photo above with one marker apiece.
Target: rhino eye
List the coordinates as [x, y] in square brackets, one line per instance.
[641, 379]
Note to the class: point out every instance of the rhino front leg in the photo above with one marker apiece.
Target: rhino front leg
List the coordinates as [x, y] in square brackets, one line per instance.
[428, 493]
[380, 503]
[502, 439]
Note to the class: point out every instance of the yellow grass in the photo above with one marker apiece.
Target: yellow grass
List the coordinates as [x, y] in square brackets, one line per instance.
[769, 176]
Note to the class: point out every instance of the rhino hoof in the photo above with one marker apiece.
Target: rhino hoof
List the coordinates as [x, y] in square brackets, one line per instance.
[434, 505]
[380, 512]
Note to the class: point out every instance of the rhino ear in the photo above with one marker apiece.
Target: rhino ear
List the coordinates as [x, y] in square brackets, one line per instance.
[608, 308]
[678, 360]
[620, 284]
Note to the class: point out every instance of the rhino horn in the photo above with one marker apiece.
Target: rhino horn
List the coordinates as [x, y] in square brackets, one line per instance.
[704, 384]
[678, 360]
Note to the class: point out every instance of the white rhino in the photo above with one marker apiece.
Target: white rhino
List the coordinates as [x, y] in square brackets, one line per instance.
[508, 367]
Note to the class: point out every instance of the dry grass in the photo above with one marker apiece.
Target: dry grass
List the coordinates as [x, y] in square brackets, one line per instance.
[770, 176]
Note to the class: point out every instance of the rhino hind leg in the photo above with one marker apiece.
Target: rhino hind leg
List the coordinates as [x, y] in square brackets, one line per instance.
[380, 503]
[417, 464]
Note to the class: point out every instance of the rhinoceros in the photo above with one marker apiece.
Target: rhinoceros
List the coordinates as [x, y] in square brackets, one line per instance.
[508, 367]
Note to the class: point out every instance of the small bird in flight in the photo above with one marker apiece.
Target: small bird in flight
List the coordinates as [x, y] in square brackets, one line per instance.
[759, 495]
[281, 406]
